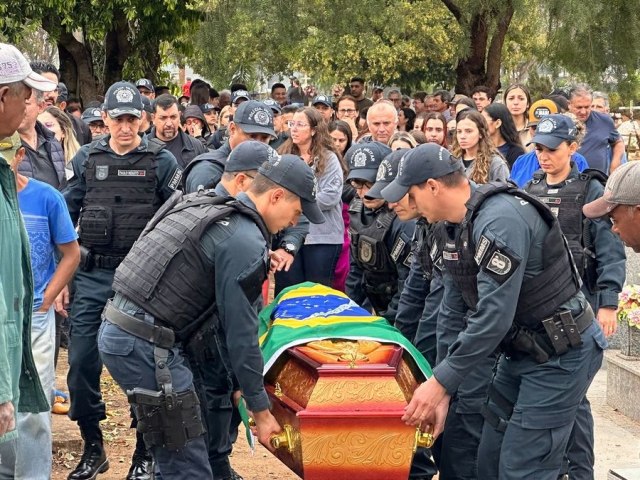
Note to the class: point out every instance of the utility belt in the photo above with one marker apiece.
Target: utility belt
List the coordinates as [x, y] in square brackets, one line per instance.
[557, 335]
[165, 418]
[88, 260]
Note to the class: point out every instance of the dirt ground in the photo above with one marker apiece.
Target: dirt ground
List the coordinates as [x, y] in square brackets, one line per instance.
[120, 440]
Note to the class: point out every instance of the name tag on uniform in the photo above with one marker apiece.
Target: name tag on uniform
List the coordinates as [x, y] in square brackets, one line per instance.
[450, 255]
[132, 173]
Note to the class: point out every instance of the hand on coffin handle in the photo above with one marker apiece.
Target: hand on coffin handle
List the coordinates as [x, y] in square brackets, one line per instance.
[428, 407]
[267, 426]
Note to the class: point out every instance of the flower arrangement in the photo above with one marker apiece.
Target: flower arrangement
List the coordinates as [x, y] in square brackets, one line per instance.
[629, 306]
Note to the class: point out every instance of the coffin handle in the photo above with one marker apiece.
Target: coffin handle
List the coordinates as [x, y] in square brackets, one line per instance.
[284, 439]
[423, 439]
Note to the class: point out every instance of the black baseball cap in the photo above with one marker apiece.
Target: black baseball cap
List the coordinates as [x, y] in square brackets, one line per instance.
[418, 165]
[553, 130]
[254, 117]
[90, 115]
[322, 99]
[207, 107]
[292, 173]
[273, 105]
[63, 92]
[387, 172]
[146, 104]
[240, 94]
[249, 155]
[123, 98]
[145, 83]
[363, 160]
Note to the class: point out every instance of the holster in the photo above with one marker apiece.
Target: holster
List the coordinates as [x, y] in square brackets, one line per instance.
[520, 341]
[201, 345]
[86, 259]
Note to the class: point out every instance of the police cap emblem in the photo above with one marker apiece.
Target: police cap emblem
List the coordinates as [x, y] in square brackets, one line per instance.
[547, 125]
[260, 116]
[360, 159]
[124, 95]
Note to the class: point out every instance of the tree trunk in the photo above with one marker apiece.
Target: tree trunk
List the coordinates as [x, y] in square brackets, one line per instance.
[76, 68]
[117, 48]
[149, 52]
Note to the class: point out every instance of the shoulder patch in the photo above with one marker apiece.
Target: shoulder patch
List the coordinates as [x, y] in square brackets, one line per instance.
[398, 247]
[499, 264]
[175, 179]
[409, 260]
[481, 250]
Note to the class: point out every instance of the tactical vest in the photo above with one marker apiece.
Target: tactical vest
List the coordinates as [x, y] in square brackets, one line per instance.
[120, 199]
[166, 273]
[566, 202]
[430, 240]
[370, 253]
[540, 296]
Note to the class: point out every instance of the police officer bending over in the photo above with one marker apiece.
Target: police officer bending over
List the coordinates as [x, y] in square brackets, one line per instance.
[505, 260]
[380, 242]
[597, 251]
[119, 182]
[202, 259]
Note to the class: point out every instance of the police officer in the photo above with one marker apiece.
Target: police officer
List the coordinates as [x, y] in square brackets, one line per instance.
[380, 242]
[413, 308]
[252, 121]
[597, 251]
[159, 307]
[118, 184]
[505, 260]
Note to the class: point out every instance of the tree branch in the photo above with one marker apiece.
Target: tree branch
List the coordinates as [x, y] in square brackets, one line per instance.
[454, 9]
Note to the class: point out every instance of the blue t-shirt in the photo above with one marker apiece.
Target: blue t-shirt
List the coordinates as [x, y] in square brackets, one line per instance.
[48, 224]
[526, 165]
[596, 145]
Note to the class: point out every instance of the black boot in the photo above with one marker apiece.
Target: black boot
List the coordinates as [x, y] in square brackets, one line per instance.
[94, 459]
[141, 462]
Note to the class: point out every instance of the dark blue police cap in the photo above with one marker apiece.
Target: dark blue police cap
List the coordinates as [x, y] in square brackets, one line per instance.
[145, 83]
[387, 172]
[249, 155]
[123, 98]
[553, 130]
[254, 117]
[271, 103]
[292, 172]
[363, 160]
[323, 99]
[418, 165]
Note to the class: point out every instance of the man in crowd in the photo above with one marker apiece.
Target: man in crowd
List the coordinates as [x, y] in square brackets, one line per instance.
[482, 97]
[418, 102]
[382, 119]
[358, 91]
[602, 146]
[145, 87]
[395, 97]
[166, 128]
[20, 390]
[441, 99]
[118, 184]
[322, 103]
[92, 116]
[279, 94]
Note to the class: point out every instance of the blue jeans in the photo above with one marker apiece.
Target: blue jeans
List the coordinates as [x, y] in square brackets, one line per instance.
[130, 362]
[33, 460]
[546, 398]
[313, 263]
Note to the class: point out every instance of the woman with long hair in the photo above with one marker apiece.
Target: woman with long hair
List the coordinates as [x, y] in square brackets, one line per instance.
[503, 132]
[472, 143]
[518, 100]
[316, 261]
[58, 122]
[435, 128]
[402, 140]
[406, 118]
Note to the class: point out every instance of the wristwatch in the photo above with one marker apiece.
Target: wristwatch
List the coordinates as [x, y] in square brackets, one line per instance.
[288, 247]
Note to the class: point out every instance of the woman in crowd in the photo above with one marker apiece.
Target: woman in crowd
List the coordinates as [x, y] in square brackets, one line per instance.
[57, 121]
[316, 261]
[195, 124]
[347, 111]
[340, 132]
[472, 143]
[406, 117]
[518, 99]
[402, 140]
[503, 132]
[435, 128]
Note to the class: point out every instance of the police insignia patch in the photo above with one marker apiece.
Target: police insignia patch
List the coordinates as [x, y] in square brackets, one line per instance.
[360, 160]
[102, 172]
[365, 252]
[124, 95]
[261, 117]
[499, 264]
[547, 125]
[408, 260]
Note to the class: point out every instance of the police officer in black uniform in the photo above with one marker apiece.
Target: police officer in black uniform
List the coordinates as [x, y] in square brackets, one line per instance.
[506, 261]
[161, 307]
[118, 184]
[380, 242]
[598, 253]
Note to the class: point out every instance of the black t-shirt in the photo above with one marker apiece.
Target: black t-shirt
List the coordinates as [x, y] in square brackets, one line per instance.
[511, 152]
[175, 146]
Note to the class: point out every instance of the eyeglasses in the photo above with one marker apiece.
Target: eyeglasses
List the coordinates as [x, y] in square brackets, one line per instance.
[359, 184]
[292, 124]
[347, 110]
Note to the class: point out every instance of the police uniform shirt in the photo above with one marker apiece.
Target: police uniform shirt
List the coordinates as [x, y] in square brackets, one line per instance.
[206, 169]
[168, 173]
[517, 230]
[238, 250]
[607, 246]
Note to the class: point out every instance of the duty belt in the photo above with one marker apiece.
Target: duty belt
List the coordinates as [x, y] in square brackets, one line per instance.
[106, 261]
[160, 336]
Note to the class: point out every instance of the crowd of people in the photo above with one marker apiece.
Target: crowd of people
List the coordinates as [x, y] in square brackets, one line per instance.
[153, 222]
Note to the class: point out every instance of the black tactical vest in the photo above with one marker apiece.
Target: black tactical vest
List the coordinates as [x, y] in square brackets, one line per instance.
[166, 273]
[120, 199]
[430, 242]
[566, 202]
[540, 296]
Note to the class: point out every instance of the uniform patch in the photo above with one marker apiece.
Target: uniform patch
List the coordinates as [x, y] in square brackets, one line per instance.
[132, 173]
[555, 211]
[365, 252]
[397, 249]
[552, 200]
[102, 172]
[452, 256]
[409, 260]
[360, 160]
[499, 264]
[481, 250]
[175, 180]
[434, 250]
